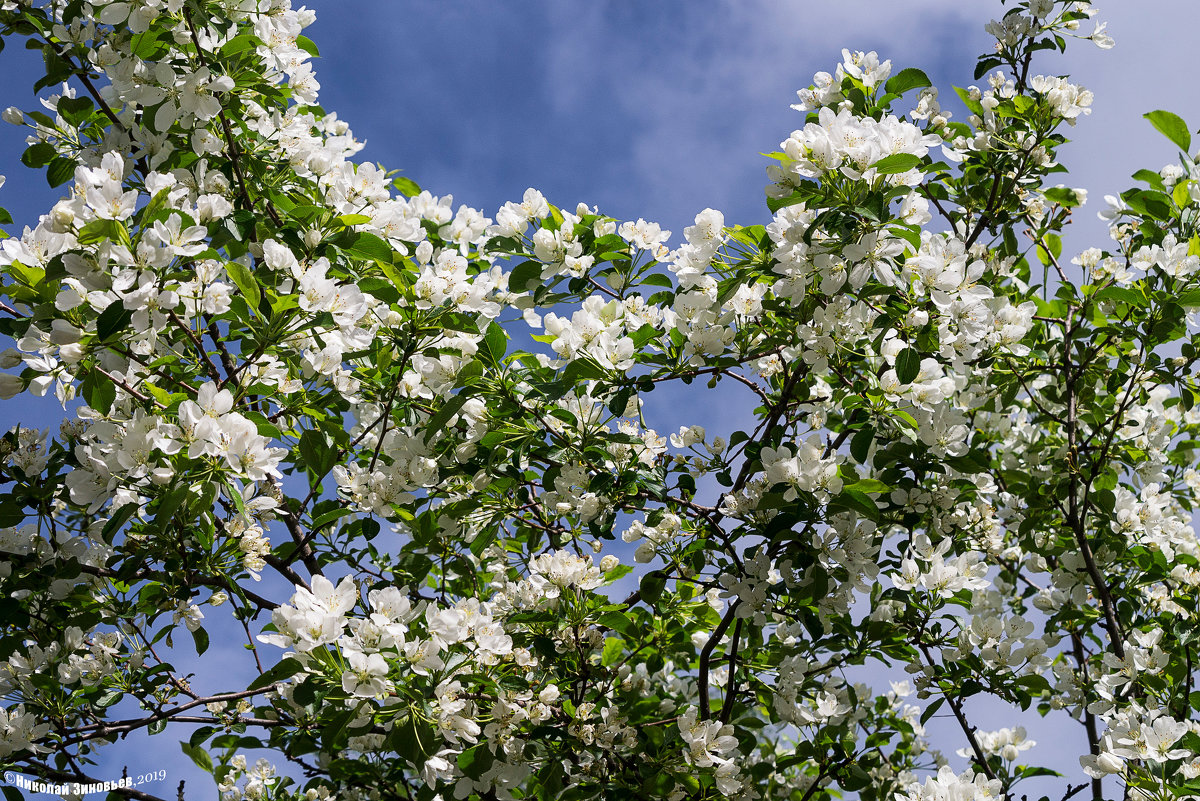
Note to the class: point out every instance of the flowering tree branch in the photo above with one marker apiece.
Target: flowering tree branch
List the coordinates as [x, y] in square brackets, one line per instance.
[432, 424]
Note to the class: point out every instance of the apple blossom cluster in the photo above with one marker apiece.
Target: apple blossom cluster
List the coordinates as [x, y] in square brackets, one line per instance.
[711, 745]
[1143, 735]
[950, 785]
[21, 731]
[843, 144]
[925, 566]
[395, 638]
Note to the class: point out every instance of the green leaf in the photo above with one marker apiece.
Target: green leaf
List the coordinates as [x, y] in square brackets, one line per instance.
[474, 762]
[330, 516]
[200, 638]
[618, 621]
[60, 171]
[860, 444]
[856, 778]
[896, 163]
[199, 756]
[306, 44]
[1036, 684]
[1132, 297]
[120, 518]
[965, 96]
[1063, 196]
[406, 186]
[12, 513]
[75, 109]
[38, 155]
[852, 499]
[613, 648]
[414, 740]
[98, 391]
[170, 503]
[908, 365]
[145, 45]
[1148, 203]
[1152, 178]
[868, 485]
[523, 275]
[317, 454]
[1182, 194]
[284, 669]
[369, 246]
[380, 288]
[152, 209]
[971, 462]
[98, 230]
[243, 277]
[1189, 298]
[113, 319]
[495, 343]
[450, 408]
[1049, 249]
[108, 699]
[1173, 127]
[239, 44]
[618, 572]
[651, 587]
[905, 79]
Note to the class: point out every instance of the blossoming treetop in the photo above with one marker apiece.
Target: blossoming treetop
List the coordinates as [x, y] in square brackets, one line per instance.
[971, 457]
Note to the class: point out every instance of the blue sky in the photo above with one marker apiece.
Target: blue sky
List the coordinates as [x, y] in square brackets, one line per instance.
[648, 109]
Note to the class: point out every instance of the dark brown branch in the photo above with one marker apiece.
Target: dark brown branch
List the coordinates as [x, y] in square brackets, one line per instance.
[731, 683]
[706, 656]
[1089, 720]
[91, 731]
[209, 367]
[966, 727]
[1076, 517]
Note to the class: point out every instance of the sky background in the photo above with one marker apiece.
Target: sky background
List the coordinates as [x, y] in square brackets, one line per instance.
[654, 110]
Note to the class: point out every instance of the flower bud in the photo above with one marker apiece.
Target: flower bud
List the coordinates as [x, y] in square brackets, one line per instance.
[917, 318]
[72, 353]
[61, 217]
[608, 563]
[13, 115]
[891, 348]
[320, 162]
